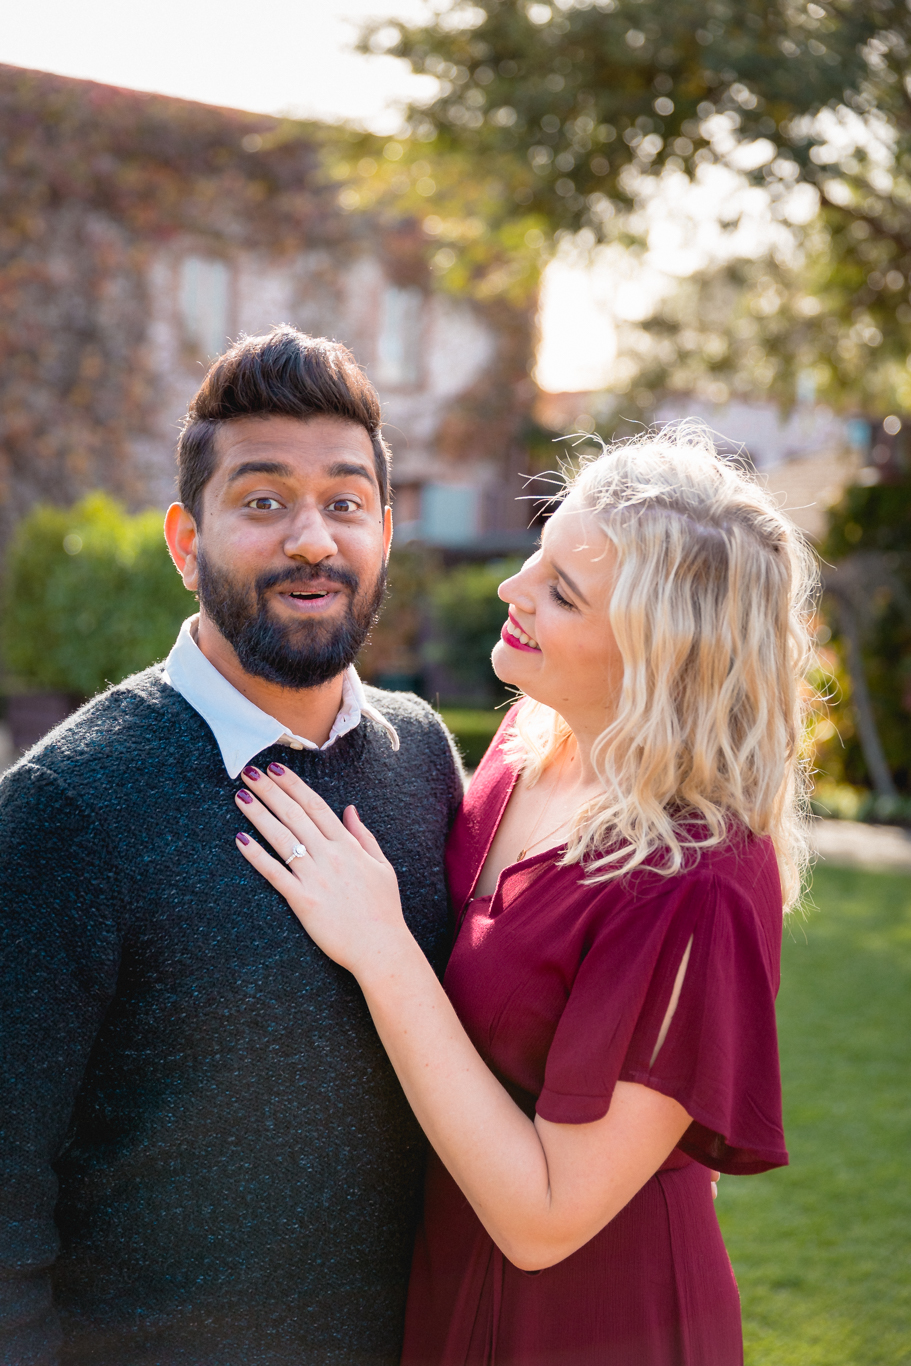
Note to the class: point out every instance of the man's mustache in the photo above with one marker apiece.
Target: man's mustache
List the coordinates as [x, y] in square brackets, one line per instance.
[305, 574]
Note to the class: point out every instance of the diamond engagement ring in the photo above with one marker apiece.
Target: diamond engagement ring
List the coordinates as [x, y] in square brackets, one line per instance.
[297, 852]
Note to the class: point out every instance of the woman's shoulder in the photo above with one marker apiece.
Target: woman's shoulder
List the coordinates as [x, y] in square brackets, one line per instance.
[741, 855]
[744, 867]
[740, 871]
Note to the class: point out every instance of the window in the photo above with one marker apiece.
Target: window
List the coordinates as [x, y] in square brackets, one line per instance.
[204, 298]
[398, 348]
[449, 514]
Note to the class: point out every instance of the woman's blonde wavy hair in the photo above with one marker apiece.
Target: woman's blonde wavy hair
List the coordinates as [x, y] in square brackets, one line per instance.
[711, 607]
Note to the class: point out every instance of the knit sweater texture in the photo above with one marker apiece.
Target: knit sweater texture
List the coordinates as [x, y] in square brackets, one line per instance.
[205, 1156]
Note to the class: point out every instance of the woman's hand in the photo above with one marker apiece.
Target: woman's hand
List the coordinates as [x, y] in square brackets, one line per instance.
[540, 1189]
[343, 890]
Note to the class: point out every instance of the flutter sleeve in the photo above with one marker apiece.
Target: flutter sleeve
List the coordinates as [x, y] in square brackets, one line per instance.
[677, 992]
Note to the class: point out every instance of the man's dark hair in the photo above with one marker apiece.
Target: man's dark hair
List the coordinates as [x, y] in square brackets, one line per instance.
[282, 374]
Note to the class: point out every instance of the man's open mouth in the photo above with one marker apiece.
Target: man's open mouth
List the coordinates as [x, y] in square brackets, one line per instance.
[313, 599]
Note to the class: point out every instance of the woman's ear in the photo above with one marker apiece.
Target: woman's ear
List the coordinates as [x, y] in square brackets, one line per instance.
[182, 537]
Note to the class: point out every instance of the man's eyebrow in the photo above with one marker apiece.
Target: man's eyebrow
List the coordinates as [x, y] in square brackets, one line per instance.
[342, 469]
[345, 469]
[570, 585]
[275, 467]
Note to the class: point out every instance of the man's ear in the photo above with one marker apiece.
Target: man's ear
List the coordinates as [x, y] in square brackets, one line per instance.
[183, 540]
[387, 531]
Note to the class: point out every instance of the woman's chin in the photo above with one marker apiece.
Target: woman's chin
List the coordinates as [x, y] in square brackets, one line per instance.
[511, 666]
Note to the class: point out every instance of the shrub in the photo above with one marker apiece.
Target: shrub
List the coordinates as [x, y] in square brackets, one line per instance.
[91, 596]
[468, 617]
[869, 542]
[392, 657]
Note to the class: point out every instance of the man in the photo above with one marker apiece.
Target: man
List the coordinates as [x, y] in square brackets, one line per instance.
[206, 1158]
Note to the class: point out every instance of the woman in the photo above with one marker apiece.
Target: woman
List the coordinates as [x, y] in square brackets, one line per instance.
[618, 871]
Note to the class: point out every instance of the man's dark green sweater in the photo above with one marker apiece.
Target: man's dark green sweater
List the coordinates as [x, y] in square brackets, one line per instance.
[205, 1156]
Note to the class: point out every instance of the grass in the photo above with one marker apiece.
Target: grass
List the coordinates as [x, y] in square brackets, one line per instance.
[822, 1249]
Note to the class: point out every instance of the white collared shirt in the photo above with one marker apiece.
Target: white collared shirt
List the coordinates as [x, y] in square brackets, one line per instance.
[240, 728]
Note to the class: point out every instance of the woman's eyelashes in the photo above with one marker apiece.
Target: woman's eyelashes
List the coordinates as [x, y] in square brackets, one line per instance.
[559, 598]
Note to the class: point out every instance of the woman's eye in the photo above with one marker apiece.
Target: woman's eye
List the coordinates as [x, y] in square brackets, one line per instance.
[559, 598]
[343, 505]
[264, 504]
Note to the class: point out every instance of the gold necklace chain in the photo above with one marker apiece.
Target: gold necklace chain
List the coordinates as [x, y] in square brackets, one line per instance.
[531, 843]
[523, 852]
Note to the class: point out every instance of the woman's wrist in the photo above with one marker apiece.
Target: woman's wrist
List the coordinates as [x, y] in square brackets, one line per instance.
[388, 960]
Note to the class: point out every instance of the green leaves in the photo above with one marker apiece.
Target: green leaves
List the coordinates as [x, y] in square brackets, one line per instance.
[91, 597]
[468, 617]
[580, 105]
[578, 94]
[869, 543]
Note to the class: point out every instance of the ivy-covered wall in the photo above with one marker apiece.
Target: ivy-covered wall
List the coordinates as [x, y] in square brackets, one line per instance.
[93, 178]
[101, 189]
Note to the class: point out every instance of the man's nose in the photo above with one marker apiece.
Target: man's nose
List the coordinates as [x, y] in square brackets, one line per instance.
[309, 538]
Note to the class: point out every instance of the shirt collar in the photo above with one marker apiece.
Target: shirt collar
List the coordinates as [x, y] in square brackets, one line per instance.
[240, 728]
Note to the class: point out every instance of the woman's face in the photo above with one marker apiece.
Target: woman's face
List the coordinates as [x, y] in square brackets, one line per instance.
[557, 644]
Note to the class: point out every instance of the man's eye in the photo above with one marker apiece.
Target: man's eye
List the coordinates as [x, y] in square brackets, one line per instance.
[264, 504]
[343, 505]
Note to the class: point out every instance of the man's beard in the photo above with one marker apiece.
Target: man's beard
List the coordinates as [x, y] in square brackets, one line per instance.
[293, 654]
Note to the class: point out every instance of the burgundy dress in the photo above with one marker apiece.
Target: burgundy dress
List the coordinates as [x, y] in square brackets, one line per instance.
[563, 989]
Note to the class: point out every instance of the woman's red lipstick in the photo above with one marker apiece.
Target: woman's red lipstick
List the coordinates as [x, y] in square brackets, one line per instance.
[514, 641]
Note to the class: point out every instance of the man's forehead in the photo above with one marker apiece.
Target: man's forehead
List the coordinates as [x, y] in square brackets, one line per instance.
[323, 446]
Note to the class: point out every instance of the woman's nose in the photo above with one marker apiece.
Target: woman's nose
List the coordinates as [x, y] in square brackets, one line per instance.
[513, 590]
[507, 589]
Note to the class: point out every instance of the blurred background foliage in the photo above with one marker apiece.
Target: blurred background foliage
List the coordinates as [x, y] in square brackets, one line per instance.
[467, 617]
[91, 595]
[574, 112]
[435, 636]
[867, 576]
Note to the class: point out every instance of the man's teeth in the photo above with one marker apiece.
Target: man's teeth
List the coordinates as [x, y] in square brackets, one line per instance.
[520, 634]
[307, 596]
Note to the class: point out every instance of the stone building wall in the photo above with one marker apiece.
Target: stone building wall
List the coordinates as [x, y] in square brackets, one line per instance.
[138, 234]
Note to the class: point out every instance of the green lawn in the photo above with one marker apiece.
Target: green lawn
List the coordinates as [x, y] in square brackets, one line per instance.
[822, 1250]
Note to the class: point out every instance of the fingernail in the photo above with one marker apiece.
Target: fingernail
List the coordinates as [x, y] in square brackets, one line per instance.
[251, 773]
[244, 839]
[243, 796]
[355, 810]
[276, 769]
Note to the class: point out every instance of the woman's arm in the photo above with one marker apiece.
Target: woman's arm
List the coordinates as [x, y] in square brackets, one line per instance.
[541, 1190]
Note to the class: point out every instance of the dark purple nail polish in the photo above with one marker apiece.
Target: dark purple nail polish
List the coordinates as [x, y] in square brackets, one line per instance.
[243, 796]
[244, 839]
[276, 769]
[251, 773]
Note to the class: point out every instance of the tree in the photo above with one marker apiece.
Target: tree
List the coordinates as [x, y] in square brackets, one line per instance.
[868, 575]
[579, 105]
